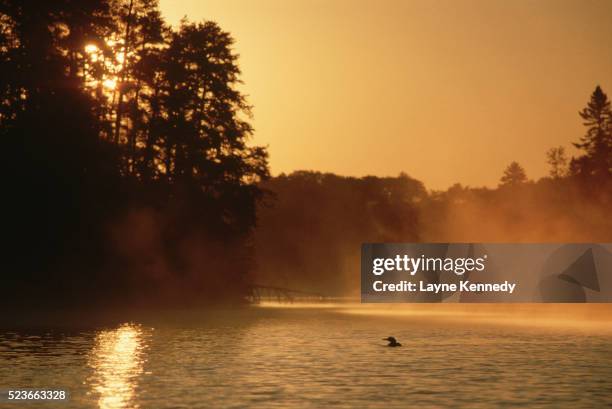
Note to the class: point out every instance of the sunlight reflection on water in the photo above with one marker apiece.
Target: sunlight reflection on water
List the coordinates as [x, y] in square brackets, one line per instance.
[117, 360]
[331, 355]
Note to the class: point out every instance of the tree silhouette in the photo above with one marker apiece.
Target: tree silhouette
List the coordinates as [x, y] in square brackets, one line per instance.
[127, 169]
[596, 162]
[557, 160]
[106, 111]
[514, 175]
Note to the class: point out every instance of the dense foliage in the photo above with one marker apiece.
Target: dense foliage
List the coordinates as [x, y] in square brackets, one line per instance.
[125, 150]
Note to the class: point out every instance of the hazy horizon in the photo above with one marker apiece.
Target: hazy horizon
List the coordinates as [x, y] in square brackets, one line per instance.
[446, 91]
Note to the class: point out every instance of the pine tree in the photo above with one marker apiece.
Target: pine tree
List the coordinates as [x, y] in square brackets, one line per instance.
[596, 162]
[514, 175]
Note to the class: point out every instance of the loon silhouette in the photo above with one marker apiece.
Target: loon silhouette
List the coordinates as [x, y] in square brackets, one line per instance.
[392, 342]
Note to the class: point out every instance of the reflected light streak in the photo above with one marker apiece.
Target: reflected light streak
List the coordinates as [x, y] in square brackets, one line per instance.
[117, 361]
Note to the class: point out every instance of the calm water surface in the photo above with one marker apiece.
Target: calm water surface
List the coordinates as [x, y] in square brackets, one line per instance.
[316, 357]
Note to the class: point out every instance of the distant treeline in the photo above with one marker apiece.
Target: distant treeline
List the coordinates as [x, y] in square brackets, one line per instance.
[309, 236]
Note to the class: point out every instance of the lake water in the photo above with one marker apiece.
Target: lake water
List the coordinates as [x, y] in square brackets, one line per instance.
[315, 356]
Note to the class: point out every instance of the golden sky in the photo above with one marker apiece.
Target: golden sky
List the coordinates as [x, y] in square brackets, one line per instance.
[444, 90]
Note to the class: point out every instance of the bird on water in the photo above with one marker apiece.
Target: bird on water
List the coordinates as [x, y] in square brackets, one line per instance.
[392, 342]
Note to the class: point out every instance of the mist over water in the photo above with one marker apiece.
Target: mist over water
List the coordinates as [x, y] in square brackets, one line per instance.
[320, 355]
[310, 236]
